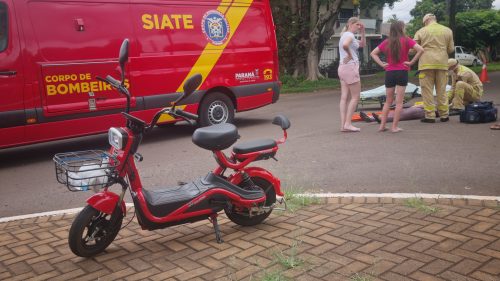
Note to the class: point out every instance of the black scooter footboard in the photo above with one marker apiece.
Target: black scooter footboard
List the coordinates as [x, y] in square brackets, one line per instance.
[165, 200]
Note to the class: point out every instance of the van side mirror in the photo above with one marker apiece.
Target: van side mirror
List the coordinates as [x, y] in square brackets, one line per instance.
[192, 84]
[281, 121]
[123, 58]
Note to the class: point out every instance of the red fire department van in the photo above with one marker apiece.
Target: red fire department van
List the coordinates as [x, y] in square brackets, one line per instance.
[52, 50]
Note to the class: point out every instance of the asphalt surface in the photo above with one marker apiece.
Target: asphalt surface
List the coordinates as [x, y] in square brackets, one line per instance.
[443, 158]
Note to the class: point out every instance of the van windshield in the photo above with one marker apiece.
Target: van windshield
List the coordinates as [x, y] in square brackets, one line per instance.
[3, 27]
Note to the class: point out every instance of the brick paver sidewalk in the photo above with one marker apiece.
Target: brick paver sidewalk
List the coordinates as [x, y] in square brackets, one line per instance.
[331, 241]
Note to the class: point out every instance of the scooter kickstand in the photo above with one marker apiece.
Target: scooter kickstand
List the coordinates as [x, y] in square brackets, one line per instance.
[213, 220]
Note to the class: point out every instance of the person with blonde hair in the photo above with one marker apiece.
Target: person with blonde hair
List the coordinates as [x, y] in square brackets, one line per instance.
[437, 41]
[350, 82]
[396, 49]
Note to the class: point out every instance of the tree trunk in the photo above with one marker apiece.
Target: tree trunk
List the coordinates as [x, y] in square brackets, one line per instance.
[317, 28]
[312, 56]
[325, 36]
[313, 59]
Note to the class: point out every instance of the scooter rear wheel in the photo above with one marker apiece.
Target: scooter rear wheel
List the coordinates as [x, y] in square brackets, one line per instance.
[92, 231]
[242, 217]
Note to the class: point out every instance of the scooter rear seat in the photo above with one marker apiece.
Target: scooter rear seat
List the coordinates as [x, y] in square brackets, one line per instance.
[216, 137]
[253, 146]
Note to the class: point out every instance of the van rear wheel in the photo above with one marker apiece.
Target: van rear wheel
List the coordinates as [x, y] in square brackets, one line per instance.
[216, 108]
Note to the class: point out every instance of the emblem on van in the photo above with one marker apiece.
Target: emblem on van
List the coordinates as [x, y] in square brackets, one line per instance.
[249, 76]
[215, 27]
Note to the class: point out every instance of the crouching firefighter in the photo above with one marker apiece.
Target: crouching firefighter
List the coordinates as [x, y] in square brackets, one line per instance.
[465, 86]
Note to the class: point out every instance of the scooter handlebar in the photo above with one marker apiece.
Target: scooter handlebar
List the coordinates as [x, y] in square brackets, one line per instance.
[185, 114]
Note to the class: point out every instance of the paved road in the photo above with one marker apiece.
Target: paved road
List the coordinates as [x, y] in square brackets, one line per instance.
[445, 158]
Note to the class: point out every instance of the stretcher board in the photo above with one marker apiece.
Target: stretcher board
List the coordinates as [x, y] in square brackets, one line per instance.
[378, 94]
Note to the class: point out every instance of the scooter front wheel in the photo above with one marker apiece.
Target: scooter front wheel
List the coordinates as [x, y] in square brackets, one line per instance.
[92, 231]
[242, 217]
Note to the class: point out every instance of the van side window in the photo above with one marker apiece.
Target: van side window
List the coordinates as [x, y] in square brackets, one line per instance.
[3, 27]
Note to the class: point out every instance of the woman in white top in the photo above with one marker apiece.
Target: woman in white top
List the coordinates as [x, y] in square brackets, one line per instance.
[348, 71]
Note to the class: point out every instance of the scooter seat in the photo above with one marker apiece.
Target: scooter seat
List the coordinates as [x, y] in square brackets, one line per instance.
[253, 146]
[216, 137]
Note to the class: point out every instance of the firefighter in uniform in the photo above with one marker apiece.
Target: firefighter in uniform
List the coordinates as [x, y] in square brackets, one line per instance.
[465, 86]
[437, 41]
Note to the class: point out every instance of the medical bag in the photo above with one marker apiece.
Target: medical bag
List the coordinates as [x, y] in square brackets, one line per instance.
[479, 112]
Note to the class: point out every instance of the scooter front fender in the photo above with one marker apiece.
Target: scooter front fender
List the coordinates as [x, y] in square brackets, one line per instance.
[262, 173]
[105, 202]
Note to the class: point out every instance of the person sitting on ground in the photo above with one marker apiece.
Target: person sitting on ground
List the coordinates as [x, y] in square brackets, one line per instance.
[410, 113]
[465, 86]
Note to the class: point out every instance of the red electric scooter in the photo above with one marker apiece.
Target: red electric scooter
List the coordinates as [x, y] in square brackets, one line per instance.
[248, 195]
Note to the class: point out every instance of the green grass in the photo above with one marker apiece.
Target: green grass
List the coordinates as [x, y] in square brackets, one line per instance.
[491, 67]
[296, 201]
[290, 260]
[419, 204]
[301, 85]
[296, 85]
[361, 277]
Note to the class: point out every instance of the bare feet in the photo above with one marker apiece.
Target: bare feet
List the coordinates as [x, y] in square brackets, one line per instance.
[350, 129]
[382, 129]
[396, 130]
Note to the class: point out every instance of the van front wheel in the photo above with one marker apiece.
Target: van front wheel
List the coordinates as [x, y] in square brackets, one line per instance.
[217, 108]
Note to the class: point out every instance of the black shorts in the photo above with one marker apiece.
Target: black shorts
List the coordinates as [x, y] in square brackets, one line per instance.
[396, 77]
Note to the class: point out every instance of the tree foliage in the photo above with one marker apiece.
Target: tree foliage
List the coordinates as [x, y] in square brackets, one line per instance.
[303, 26]
[439, 9]
[482, 29]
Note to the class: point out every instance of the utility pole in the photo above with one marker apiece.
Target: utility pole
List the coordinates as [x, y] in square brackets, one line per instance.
[452, 10]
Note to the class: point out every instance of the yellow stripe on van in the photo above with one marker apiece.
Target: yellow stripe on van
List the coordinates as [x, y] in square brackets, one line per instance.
[165, 117]
[212, 53]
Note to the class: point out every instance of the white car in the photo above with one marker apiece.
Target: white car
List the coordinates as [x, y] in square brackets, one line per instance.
[465, 57]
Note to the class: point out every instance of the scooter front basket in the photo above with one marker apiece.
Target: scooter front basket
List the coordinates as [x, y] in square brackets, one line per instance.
[82, 170]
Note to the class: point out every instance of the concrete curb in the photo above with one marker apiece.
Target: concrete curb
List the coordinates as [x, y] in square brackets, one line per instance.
[344, 198]
[398, 198]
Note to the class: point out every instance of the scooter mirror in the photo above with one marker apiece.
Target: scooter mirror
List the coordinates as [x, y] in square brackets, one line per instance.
[281, 121]
[123, 58]
[192, 84]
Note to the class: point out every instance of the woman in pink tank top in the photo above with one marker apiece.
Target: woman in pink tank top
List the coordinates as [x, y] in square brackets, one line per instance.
[396, 49]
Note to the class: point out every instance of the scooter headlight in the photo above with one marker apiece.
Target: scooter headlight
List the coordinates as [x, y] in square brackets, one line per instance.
[117, 138]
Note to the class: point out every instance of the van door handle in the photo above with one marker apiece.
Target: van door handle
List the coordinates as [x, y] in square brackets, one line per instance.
[8, 73]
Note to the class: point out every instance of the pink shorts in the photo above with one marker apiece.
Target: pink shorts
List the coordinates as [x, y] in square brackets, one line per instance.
[349, 73]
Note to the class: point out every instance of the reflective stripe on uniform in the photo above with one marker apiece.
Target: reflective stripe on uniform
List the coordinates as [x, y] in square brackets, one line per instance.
[430, 108]
[443, 107]
[435, 66]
